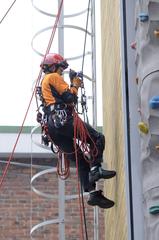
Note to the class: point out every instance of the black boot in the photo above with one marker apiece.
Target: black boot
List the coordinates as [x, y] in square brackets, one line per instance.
[98, 199]
[98, 173]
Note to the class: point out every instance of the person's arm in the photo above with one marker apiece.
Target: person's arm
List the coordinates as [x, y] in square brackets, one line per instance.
[68, 94]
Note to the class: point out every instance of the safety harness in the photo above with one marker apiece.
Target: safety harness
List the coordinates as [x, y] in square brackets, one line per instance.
[60, 113]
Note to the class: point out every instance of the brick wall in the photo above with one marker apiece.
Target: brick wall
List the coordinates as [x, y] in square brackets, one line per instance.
[21, 208]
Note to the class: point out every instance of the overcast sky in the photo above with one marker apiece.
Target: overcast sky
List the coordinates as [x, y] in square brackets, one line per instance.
[20, 64]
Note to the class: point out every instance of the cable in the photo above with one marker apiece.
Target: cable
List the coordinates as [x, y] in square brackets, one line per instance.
[85, 40]
[83, 94]
[33, 94]
[7, 12]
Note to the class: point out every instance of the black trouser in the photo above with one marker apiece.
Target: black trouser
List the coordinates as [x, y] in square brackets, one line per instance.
[63, 137]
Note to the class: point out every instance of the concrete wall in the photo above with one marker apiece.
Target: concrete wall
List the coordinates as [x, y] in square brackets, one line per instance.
[113, 119]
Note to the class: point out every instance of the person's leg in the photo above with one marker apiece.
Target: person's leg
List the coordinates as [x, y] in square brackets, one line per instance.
[96, 141]
[84, 169]
[97, 145]
[63, 137]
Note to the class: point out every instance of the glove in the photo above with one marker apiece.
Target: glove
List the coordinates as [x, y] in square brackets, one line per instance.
[73, 74]
[76, 82]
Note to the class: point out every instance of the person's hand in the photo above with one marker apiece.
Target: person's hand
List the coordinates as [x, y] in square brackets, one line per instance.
[76, 78]
[76, 82]
[73, 74]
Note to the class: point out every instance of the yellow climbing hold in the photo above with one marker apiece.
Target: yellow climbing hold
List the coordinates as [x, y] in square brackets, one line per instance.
[143, 127]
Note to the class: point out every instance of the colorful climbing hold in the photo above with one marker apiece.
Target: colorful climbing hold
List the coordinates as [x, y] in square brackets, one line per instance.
[154, 209]
[143, 127]
[133, 45]
[157, 147]
[156, 32]
[154, 102]
[144, 17]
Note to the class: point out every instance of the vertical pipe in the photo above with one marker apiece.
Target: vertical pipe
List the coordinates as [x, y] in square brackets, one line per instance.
[93, 42]
[61, 201]
[94, 100]
[96, 223]
[61, 182]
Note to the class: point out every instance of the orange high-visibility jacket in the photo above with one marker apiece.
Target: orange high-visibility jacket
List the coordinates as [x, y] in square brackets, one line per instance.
[56, 81]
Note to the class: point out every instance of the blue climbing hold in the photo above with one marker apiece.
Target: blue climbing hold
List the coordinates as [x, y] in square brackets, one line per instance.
[154, 210]
[144, 17]
[154, 102]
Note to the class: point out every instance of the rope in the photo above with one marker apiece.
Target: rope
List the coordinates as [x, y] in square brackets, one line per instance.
[7, 12]
[81, 132]
[33, 94]
[78, 184]
[84, 136]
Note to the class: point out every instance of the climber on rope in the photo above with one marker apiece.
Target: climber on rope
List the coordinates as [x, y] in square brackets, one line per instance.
[59, 100]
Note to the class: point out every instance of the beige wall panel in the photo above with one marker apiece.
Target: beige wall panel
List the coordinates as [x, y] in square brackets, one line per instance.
[115, 218]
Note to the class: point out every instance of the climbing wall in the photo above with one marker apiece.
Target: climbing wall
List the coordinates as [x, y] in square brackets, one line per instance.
[146, 46]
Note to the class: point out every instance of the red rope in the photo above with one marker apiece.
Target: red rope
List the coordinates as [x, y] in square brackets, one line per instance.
[34, 90]
[84, 136]
[78, 183]
[81, 132]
